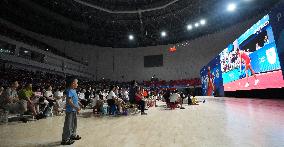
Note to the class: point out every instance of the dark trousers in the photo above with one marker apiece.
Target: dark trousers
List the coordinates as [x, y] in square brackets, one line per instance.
[84, 102]
[111, 104]
[141, 103]
[70, 125]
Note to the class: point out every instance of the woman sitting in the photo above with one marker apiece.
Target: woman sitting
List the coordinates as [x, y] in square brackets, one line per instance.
[97, 102]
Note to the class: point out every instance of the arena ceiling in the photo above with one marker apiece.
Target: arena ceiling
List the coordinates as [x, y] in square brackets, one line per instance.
[109, 23]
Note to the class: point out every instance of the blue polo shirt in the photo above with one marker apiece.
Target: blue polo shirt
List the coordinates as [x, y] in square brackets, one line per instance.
[71, 94]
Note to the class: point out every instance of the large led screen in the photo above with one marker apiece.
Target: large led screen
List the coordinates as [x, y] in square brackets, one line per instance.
[252, 61]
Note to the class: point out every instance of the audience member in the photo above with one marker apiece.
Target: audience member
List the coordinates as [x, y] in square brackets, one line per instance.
[27, 95]
[140, 101]
[12, 103]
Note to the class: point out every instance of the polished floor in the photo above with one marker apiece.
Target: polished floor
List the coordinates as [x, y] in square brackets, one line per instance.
[220, 122]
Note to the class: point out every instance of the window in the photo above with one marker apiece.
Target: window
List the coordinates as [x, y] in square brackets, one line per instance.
[153, 61]
[7, 48]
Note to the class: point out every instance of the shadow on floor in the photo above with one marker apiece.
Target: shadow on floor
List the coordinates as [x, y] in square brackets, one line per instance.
[86, 114]
[50, 144]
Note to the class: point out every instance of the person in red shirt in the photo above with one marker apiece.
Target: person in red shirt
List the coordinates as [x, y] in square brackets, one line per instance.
[244, 58]
[139, 100]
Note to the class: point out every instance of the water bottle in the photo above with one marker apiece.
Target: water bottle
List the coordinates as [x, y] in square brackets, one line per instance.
[105, 109]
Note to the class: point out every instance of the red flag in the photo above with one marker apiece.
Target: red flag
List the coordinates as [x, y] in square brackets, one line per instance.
[173, 49]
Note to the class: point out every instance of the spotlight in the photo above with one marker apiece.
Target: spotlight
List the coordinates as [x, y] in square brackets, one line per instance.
[163, 34]
[196, 24]
[189, 27]
[130, 37]
[47, 49]
[232, 7]
[203, 22]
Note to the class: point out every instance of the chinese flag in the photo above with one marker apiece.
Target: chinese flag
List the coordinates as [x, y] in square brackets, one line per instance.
[173, 49]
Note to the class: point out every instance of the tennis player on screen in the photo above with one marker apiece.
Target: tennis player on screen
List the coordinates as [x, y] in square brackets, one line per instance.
[244, 58]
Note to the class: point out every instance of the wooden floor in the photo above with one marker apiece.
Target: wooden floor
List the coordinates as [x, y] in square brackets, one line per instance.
[222, 122]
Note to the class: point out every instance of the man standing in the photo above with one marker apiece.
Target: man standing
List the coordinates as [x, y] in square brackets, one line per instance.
[132, 91]
[244, 58]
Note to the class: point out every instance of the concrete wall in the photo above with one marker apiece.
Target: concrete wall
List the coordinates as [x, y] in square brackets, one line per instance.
[186, 62]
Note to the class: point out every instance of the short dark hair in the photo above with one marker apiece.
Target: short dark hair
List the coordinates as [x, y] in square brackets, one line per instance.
[111, 87]
[13, 82]
[133, 83]
[69, 81]
[27, 84]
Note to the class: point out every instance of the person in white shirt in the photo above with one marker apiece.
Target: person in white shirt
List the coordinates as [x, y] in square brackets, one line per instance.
[111, 100]
[96, 98]
[105, 94]
[92, 93]
[48, 93]
[51, 101]
[125, 95]
[58, 93]
[174, 99]
[82, 94]
[116, 91]
[111, 95]
[49, 96]
[82, 98]
[60, 103]
[97, 102]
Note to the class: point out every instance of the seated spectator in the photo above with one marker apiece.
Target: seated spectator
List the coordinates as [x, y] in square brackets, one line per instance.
[174, 99]
[152, 100]
[183, 98]
[88, 94]
[120, 104]
[41, 102]
[166, 97]
[194, 100]
[27, 95]
[82, 98]
[125, 95]
[105, 94]
[48, 94]
[97, 102]
[11, 100]
[60, 103]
